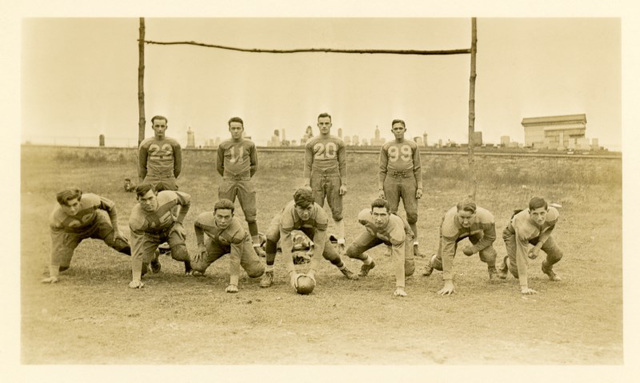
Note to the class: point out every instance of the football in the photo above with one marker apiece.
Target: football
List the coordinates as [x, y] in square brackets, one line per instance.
[305, 284]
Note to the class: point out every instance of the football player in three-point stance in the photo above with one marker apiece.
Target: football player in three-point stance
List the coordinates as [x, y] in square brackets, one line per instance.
[465, 220]
[383, 227]
[159, 157]
[531, 226]
[237, 163]
[325, 169]
[225, 235]
[151, 223]
[77, 217]
[307, 216]
[400, 176]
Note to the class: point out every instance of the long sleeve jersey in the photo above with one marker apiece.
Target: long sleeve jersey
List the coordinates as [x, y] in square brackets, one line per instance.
[85, 218]
[237, 158]
[327, 155]
[451, 231]
[400, 157]
[159, 159]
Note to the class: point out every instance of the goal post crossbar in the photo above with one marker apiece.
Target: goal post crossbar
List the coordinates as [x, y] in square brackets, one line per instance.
[318, 50]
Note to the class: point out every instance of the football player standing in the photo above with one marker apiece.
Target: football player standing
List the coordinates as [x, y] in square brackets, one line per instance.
[325, 169]
[237, 163]
[400, 176]
[160, 157]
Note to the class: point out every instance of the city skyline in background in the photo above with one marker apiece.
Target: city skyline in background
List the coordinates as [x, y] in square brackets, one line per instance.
[526, 68]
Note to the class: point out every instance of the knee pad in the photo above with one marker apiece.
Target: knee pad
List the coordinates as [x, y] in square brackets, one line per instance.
[122, 246]
[412, 218]
[256, 272]
[409, 269]
[489, 254]
[180, 253]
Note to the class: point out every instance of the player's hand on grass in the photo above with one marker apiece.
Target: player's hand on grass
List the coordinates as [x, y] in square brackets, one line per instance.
[399, 292]
[418, 193]
[534, 252]
[468, 251]
[381, 193]
[343, 189]
[448, 288]
[527, 291]
[50, 280]
[231, 289]
[136, 284]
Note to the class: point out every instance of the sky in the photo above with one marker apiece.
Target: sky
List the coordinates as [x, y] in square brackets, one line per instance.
[79, 77]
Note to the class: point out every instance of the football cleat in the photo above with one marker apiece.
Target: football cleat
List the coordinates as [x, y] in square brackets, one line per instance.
[187, 268]
[428, 268]
[267, 279]
[504, 270]
[347, 273]
[364, 269]
[155, 266]
[493, 273]
[550, 273]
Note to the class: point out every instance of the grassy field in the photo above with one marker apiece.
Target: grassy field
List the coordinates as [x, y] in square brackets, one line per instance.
[92, 317]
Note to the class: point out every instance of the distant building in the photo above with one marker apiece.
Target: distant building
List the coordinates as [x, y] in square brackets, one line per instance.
[191, 139]
[476, 138]
[339, 132]
[347, 140]
[275, 139]
[505, 140]
[355, 140]
[365, 142]
[308, 134]
[555, 132]
[424, 139]
[418, 140]
[377, 140]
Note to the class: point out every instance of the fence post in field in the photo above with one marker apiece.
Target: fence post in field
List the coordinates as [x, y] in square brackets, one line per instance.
[472, 112]
[141, 119]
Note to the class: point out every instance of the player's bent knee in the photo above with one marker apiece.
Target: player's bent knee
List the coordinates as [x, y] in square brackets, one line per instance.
[337, 216]
[412, 218]
[256, 272]
[122, 246]
[180, 253]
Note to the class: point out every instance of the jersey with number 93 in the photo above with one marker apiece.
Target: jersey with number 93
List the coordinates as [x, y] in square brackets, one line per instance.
[325, 155]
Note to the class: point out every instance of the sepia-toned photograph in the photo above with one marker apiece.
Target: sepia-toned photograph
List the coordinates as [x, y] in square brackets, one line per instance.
[414, 191]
